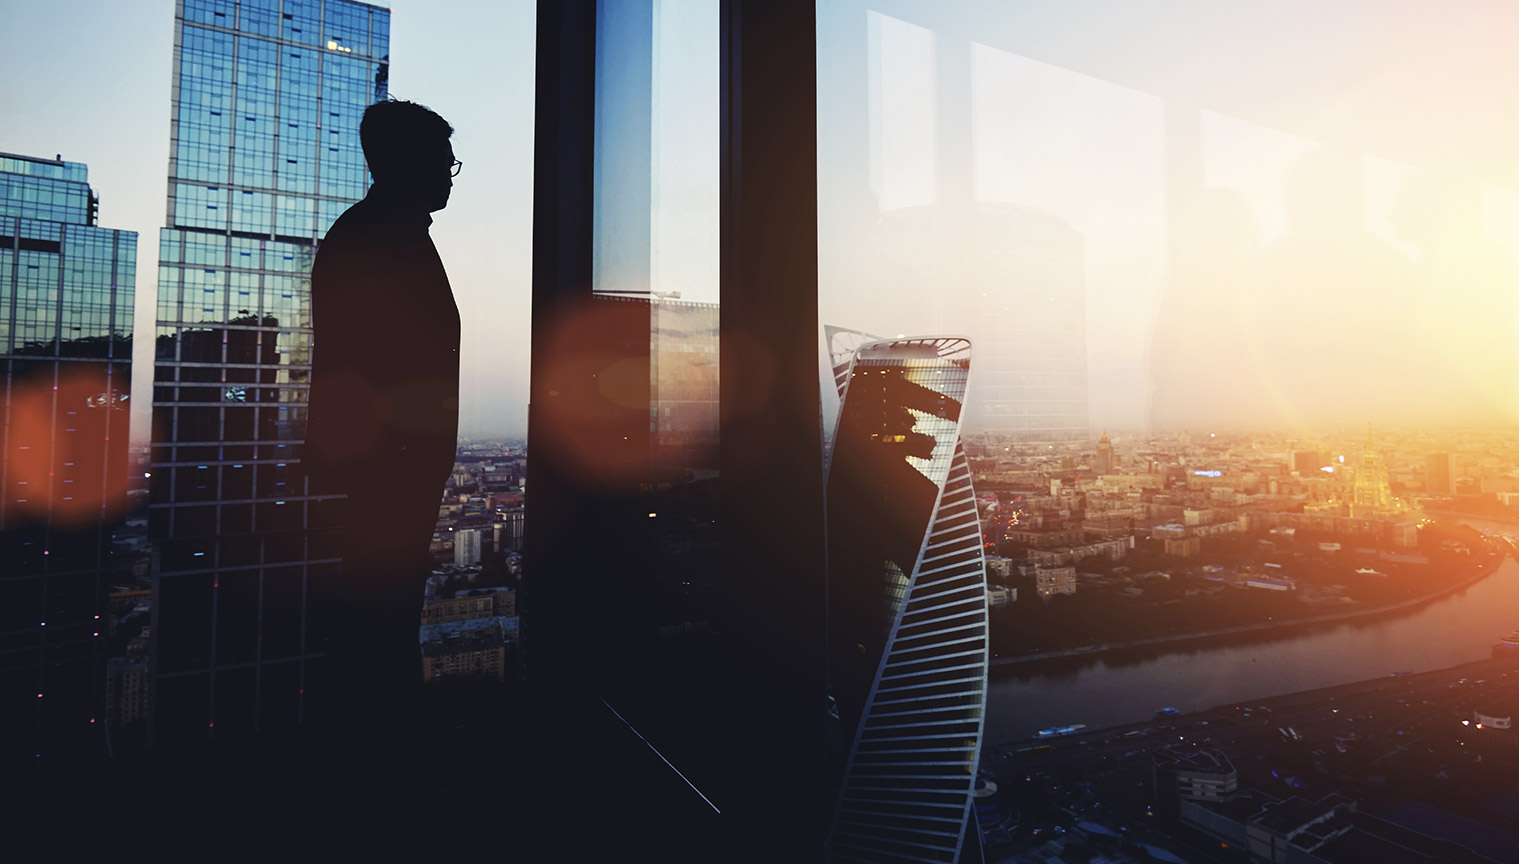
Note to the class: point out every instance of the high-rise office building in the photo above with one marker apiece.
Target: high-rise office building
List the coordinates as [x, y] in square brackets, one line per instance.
[1373, 492]
[1104, 455]
[907, 614]
[467, 547]
[1308, 462]
[1439, 474]
[66, 291]
[264, 155]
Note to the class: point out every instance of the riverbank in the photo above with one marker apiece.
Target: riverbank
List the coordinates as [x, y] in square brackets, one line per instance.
[1220, 633]
[1281, 704]
[1479, 517]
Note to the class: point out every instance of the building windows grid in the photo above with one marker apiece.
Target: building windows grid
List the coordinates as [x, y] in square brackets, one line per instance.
[233, 356]
[67, 284]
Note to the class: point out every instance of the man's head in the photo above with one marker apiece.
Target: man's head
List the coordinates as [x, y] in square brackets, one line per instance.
[406, 146]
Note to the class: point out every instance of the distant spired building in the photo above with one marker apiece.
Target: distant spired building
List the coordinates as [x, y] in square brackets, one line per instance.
[66, 290]
[1104, 455]
[1372, 494]
[1021, 298]
[287, 85]
[906, 602]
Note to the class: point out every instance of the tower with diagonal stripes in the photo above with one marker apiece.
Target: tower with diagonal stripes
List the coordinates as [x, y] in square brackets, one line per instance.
[907, 640]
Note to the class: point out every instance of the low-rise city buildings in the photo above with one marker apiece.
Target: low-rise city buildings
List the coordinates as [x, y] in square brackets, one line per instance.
[471, 648]
[1055, 580]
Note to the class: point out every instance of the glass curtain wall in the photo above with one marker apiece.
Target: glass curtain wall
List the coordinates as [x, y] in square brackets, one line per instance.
[1195, 250]
[647, 447]
[66, 348]
[231, 524]
[686, 613]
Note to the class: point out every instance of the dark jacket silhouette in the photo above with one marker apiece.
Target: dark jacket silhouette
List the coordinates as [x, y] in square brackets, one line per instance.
[385, 364]
[383, 419]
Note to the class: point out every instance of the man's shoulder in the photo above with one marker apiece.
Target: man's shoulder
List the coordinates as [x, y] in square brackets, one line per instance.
[369, 229]
[355, 223]
[356, 239]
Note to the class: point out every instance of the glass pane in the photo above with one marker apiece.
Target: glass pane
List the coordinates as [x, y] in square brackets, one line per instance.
[234, 312]
[651, 333]
[1193, 252]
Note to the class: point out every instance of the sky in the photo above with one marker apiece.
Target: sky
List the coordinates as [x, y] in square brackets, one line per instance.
[1295, 217]
[90, 80]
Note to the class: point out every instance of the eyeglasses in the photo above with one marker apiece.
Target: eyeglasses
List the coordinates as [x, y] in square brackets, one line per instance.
[453, 170]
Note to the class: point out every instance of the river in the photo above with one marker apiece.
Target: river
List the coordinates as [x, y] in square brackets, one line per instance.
[1127, 687]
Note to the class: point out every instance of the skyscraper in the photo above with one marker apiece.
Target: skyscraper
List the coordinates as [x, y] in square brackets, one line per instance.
[66, 290]
[1439, 474]
[1104, 455]
[264, 155]
[1373, 493]
[907, 618]
[1307, 462]
[467, 547]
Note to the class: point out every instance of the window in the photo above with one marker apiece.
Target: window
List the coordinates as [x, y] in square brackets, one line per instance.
[1174, 285]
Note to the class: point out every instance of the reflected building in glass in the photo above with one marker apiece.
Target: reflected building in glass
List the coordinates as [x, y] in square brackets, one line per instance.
[66, 291]
[264, 156]
[907, 620]
[1021, 298]
[646, 436]
[683, 372]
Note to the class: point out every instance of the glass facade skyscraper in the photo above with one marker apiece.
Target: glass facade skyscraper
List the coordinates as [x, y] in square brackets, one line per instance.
[66, 290]
[907, 618]
[264, 155]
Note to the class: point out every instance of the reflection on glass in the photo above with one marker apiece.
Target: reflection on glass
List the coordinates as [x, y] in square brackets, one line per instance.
[645, 439]
[907, 630]
[66, 290]
[233, 351]
[1229, 247]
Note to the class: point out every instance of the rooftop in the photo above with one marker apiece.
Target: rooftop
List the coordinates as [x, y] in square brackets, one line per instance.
[37, 166]
[1209, 760]
[1293, 814]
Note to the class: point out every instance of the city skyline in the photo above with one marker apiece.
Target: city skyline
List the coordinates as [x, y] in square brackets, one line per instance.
[1243, 159]
[780, 589]
[114, 74]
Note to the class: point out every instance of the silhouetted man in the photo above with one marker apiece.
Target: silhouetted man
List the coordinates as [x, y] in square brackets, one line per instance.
[384, 415]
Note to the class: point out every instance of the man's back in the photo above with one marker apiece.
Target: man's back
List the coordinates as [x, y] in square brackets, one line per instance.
[385, 364]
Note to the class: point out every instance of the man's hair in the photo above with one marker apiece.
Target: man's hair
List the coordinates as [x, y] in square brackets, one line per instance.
[396, 134]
